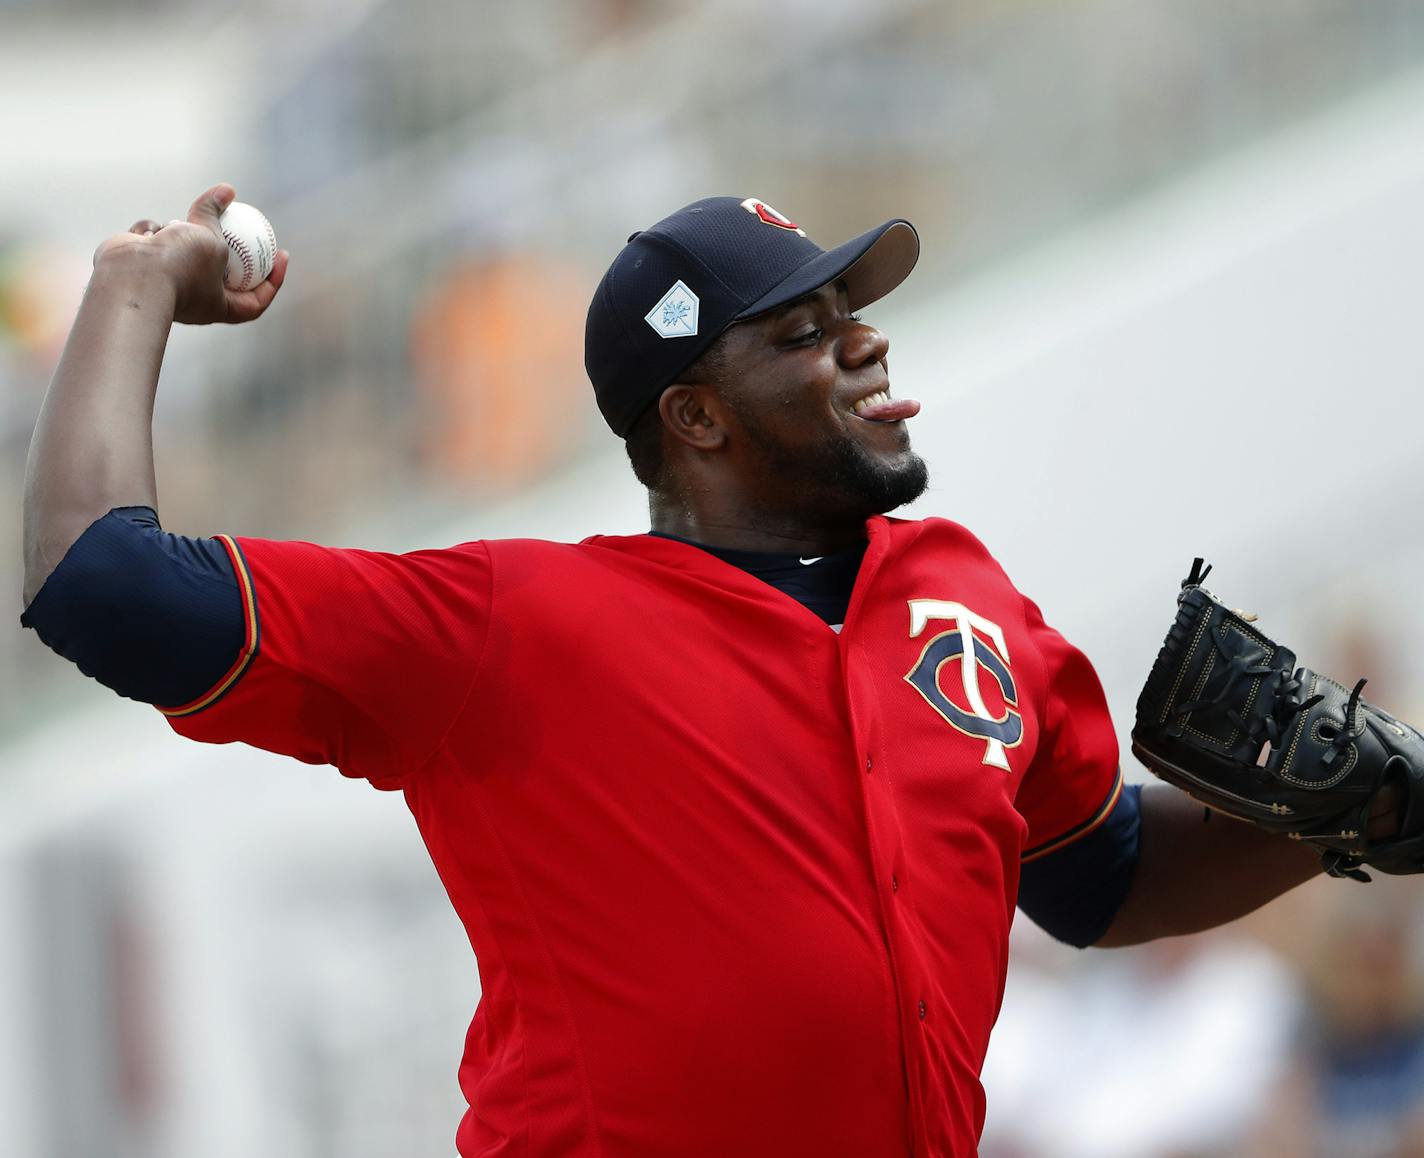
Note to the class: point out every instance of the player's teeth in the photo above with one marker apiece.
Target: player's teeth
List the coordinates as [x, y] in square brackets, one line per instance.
[873, 400]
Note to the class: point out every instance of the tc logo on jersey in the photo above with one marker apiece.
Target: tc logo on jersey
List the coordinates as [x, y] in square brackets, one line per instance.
[975, 656]
[771, 216]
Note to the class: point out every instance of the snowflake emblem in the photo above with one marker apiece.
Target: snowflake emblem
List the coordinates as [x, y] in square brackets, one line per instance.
[675, 315]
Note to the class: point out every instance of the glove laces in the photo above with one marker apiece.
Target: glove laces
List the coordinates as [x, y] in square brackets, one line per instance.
[1238, 666]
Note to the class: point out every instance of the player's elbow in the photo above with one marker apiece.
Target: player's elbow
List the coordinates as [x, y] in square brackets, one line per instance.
[46, 542]
[34, 580]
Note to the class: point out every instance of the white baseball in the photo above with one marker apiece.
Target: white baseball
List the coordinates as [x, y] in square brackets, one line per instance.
[251, 246]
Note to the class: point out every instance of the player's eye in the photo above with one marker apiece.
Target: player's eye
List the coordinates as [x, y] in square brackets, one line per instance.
[805, 337]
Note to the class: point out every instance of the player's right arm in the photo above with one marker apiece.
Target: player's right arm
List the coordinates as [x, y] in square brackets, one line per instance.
[360, 659]
[92, 449]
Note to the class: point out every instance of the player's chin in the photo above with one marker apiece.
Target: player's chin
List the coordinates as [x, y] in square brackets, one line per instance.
[897, 480]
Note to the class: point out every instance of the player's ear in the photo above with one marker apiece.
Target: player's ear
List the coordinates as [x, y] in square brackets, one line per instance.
[694, 414]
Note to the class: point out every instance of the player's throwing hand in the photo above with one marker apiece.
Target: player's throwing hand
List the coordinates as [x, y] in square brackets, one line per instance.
[188, 258]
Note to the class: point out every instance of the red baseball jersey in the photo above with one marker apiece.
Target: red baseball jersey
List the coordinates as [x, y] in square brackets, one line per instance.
[736, 883]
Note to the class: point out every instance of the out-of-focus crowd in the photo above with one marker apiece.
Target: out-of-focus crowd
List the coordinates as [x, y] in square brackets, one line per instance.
[1298, 1032]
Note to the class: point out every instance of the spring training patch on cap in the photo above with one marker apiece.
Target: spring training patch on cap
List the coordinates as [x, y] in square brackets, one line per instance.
[675, 316]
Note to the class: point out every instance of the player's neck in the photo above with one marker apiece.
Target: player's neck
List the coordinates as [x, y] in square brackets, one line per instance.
[741, 529]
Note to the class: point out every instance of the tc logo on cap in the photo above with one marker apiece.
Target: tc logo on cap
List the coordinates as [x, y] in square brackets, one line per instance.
[675, 316]
[771, 216]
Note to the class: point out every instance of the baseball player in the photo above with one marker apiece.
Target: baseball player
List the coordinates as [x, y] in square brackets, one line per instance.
[736, 812]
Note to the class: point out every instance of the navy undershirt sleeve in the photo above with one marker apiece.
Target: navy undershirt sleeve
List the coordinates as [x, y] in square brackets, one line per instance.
[1073, 894]
[154, 616]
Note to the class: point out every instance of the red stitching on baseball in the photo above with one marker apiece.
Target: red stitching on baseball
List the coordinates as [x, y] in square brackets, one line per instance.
[238, 246]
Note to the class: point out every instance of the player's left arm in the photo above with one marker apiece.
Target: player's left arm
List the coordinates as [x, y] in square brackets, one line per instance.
[1300, 775]
[1110, 864]
[1197, 869]
[1152, 863]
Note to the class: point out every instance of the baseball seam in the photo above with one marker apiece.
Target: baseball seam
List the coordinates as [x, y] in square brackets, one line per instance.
[238, 246]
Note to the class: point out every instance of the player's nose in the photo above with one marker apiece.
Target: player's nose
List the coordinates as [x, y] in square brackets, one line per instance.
[861, 344]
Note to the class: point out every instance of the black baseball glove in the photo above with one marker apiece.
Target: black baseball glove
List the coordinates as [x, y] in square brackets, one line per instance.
[1228, 717]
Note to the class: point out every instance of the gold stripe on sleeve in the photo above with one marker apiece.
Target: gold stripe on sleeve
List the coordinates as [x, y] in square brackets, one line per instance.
[1081, 830]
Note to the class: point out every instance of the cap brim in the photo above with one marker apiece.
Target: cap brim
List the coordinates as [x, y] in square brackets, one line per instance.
[871, 265]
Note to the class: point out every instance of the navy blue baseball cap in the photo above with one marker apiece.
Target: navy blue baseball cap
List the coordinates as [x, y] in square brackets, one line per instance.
[676, 286]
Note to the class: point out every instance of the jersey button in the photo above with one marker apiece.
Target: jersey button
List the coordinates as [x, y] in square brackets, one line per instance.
[894, 883]
[869, 764]
[922, 1011]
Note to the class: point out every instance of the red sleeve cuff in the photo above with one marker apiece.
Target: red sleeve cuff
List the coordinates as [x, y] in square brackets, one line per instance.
[1079, 831]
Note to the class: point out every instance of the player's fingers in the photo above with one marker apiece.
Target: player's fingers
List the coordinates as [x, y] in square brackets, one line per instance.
[210, 204]
[247, 305]
[279, 271]
[143, 227]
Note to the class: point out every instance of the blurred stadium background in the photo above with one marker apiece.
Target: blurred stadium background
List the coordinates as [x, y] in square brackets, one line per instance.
[1167, 306]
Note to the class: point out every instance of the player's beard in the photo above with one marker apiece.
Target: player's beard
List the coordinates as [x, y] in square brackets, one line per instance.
[838, 478]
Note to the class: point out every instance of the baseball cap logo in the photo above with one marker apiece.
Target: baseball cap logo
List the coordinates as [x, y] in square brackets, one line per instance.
[759, 207]
[675, 315]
